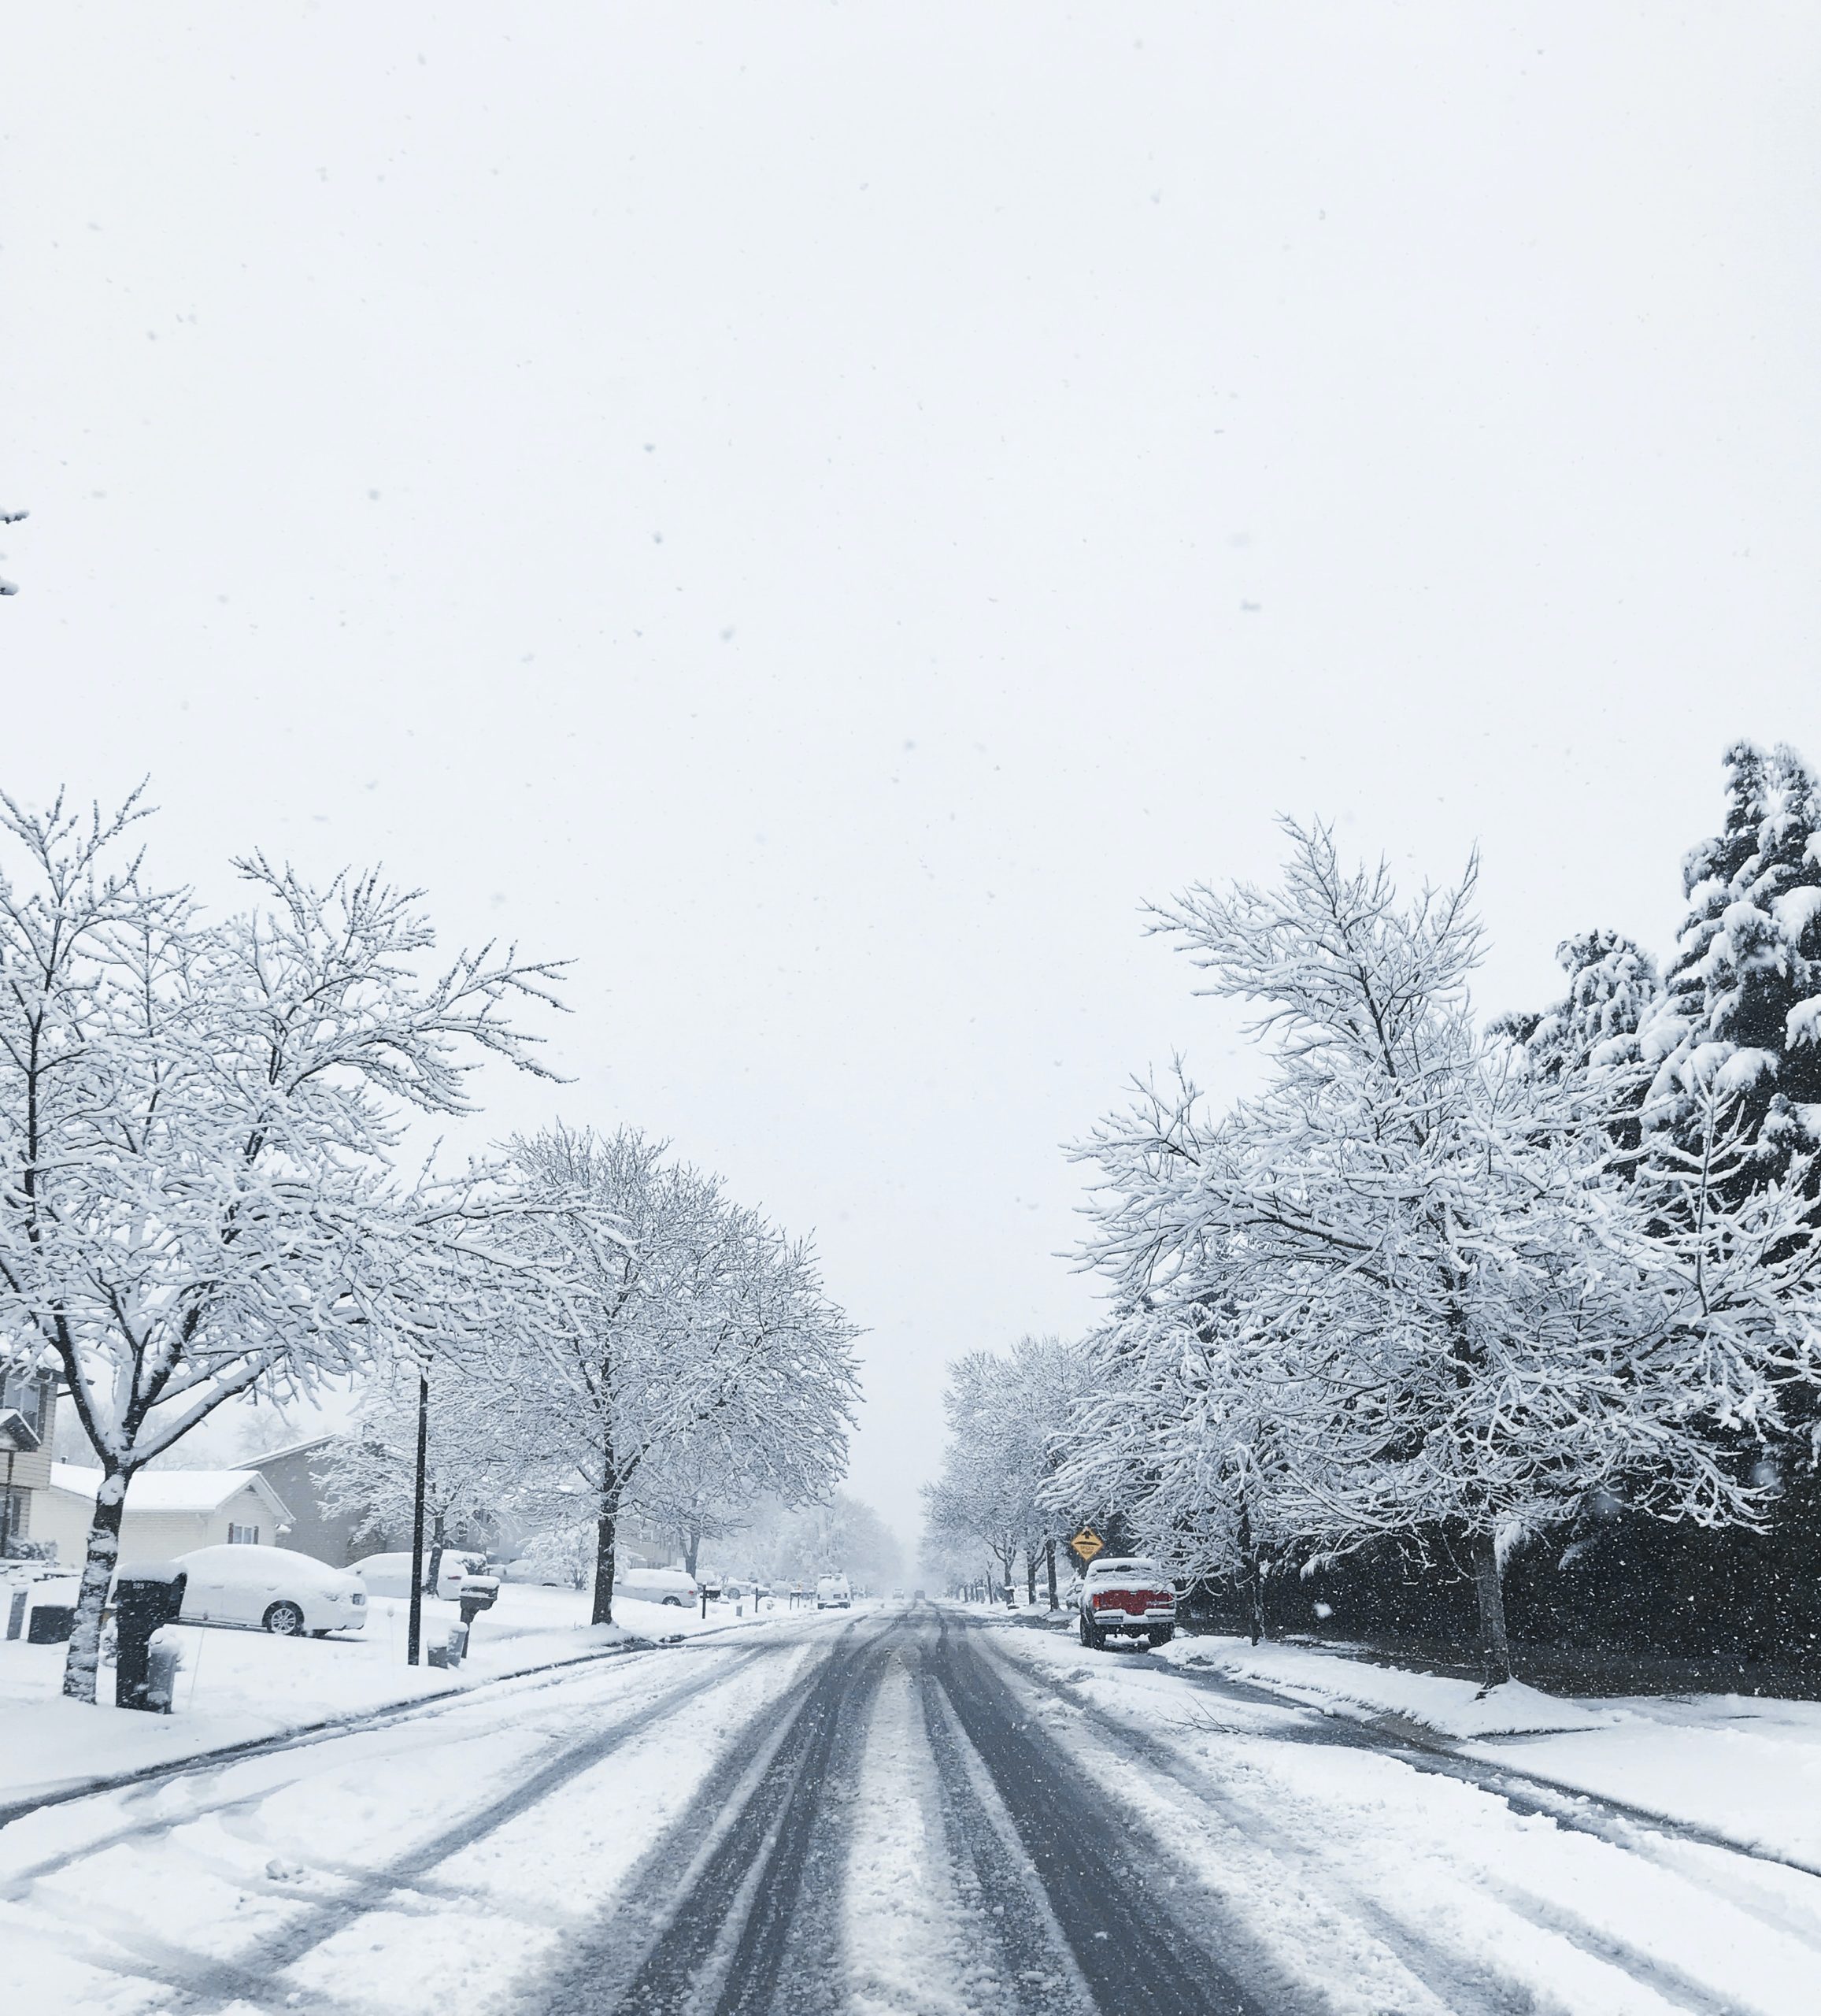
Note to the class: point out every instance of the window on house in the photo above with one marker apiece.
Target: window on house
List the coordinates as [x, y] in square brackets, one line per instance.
[12, 1515]
[243, 1536]
[30, 1393]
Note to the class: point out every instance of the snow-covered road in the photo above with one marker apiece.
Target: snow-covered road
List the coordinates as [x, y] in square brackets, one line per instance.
[905, 1810]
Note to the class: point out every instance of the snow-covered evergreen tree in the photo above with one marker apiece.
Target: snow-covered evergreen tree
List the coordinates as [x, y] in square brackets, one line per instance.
[1740, 1014]
[1614, 988]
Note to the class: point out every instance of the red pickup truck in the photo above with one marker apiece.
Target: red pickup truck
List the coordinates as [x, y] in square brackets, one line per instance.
[1129, 1596]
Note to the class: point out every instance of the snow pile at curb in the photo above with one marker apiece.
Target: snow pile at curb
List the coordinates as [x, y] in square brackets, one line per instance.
[1337, 1684]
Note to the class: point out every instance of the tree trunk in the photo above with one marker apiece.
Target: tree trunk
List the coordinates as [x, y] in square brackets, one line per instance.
[1489, 1586]
[103, 1557]
[606, 1527]
[1029, 1578]
[433, 1568]
[1050, 1569]
[1254, 1581]
[692, 1549]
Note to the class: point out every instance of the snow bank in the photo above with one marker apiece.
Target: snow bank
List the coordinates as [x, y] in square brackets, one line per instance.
[1746, 1769]
[1740, 1769]
[1340, 1684]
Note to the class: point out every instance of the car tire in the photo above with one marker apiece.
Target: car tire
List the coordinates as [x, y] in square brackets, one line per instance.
[1094, 1640]
[673, 1602]
[284, 1620]
[1162, 1636]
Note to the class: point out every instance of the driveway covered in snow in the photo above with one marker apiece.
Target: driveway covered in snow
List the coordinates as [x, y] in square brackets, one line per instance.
[905, 1810]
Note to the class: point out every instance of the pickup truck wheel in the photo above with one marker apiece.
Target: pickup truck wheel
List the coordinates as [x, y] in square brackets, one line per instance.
[1095, 1639]
[1163, 1634]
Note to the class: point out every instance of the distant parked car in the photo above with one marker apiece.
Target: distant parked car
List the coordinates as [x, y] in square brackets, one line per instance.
[657, 1585]
[541, 1568]
[916, 1595]
[1129, 1596]
[833, 1593]
[274, 1588]
[390, 1574]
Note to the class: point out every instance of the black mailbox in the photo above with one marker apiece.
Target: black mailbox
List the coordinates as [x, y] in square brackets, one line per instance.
[478, 1592]
[151, 1595]
[49, 1624]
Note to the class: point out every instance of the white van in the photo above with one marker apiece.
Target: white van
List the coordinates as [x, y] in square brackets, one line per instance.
[833, 1593]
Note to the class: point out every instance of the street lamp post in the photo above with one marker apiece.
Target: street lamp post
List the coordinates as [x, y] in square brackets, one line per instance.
[415, 1638]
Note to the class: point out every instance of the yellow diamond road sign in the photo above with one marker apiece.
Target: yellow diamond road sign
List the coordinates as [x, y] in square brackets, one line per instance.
[1087, 1543]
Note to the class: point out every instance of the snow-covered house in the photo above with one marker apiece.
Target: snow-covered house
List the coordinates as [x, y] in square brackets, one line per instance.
[27, 1425]
[168, 1512]
[330, 1536]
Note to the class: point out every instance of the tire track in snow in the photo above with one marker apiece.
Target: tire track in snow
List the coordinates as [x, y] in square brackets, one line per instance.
[1135, 1956]
[705, 1926]
[994, 1877]
[925, 1934]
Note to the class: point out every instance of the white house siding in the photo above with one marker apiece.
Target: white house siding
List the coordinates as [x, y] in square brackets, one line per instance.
[64, 1516]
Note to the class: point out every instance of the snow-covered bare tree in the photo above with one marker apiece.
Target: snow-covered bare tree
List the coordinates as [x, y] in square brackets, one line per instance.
[841, 1536]
[1182, 1439]
[475, 1460]
[1009, 1425]
[689, 1492]
[683, 1323]
[198, 1121]
[1469, 1305]
[11, 518]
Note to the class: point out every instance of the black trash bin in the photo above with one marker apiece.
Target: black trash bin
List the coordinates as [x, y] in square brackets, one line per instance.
[50, 1624]
[149, 1595]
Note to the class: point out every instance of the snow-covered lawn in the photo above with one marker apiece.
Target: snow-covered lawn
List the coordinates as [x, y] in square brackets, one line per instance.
[238, 1687]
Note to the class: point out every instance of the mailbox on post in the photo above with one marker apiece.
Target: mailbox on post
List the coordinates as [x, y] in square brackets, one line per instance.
[478, 1592]
[148, 1596]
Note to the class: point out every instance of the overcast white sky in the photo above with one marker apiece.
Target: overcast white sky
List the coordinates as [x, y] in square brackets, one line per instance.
[814, 512]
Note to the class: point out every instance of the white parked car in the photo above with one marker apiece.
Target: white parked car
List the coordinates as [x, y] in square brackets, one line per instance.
[657, 1585]
[540, 1569]
[390, 1574]
[271, 1589]
[833, 1593]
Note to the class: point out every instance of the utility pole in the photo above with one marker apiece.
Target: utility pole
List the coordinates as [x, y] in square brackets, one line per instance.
[414, 1641]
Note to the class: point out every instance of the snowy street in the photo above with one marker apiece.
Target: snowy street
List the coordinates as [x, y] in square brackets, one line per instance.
[904, 1809]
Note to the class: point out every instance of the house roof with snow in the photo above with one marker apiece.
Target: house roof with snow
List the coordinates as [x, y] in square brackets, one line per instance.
[289, 1449]
[174, 1491]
